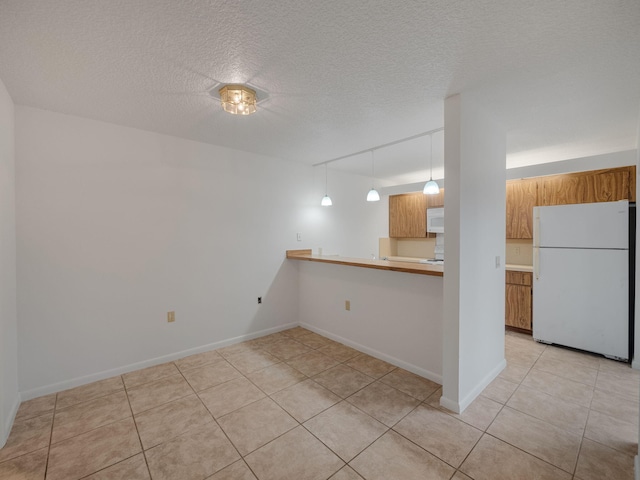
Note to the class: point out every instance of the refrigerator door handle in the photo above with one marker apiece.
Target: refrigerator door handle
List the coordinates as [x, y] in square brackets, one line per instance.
[536, 244]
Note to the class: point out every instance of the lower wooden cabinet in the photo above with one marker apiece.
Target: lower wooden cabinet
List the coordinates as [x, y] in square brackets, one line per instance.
[518, 299]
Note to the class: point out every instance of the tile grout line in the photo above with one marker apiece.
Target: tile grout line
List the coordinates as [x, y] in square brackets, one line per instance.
[133, 417]
[53, 417]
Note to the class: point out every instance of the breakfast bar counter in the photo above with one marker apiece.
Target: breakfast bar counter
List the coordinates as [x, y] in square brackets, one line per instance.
[395, 266]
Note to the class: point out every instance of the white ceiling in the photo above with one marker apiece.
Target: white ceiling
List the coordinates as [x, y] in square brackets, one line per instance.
[340, 76]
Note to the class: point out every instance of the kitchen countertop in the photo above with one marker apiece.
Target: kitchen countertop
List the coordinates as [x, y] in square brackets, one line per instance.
[417, 268]
[518, 268]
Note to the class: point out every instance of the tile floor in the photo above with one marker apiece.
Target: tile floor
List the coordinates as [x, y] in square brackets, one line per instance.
[296, 405]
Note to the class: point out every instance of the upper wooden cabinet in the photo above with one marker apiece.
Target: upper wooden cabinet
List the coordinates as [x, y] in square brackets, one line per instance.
[522, 196]
[587, 187]
[594, 186]
[408, 215]
[435, 201]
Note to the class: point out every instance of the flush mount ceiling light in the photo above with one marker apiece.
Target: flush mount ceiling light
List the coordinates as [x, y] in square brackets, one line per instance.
[431, 187]
[373, 195]
[326, 200]
[238, 99]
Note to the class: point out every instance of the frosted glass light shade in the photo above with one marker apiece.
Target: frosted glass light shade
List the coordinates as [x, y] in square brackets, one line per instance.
[326, 201]
[373, 195]
[431, 188]
[238, 99]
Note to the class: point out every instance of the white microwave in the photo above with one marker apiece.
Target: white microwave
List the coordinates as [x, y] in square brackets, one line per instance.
[435, 220]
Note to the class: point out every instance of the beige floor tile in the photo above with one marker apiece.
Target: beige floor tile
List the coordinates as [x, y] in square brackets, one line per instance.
[276, 377]
[598, 462]
[612, 432]
[514, 372]
[619, 406]
[345, 430]
[460, 476]
[479, 414]
[85, 454]
[568, 390]
[313, 340]
[523, 342]
[440, 434]
[395, 457]
[149, 374]
[410, 383]
[628, 385]
[553, 410]
[617, 368]
[36, 407]
[26, 467]
[237, 348]
[88, 392]
[235, 471]
[27, 436]
[493, 459]
[312, 363]
[198, 360]
[296, 332]
[500, 390]
[252, 360]
[286, 349]
[194, 455]
[228, 397]
[571, 356]
[371, 366]
[384, 403]
[295, 455]
[305, 399]
[256, 424]
[541, 439]
[343, 380]
[340, 352]
[167, 421]
[346, 473]
[156, 393]
[133, 468]
[206, 376]
[571, 370]
[262, 342]
[523, 358]
[85, 416]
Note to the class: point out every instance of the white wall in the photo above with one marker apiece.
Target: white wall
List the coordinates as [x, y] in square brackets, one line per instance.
[117, 226]
[475, 149]
[394, 316]
[9, 397]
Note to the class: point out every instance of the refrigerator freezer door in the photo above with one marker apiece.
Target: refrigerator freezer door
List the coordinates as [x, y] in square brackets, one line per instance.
[586, 225]
[580, 300]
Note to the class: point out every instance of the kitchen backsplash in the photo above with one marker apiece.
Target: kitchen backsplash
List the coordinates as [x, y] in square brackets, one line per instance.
[407, 247]
[519, 252]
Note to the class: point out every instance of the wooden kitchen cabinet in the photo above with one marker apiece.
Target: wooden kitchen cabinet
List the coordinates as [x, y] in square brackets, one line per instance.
[408, 215]
[587, 187]
[435, 201]
[522, 196]
[518, 299]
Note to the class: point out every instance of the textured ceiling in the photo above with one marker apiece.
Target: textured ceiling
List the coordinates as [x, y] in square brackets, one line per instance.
[340, 76]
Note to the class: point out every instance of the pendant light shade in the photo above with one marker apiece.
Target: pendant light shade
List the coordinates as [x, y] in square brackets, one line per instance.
[373, 195]
[326, 200]
[431, 187]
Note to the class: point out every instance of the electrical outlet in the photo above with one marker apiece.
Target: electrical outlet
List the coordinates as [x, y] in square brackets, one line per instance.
[171, 317]
[497, 261]
[299, 236]
[259, 299]
[347, 305]
[517, 250]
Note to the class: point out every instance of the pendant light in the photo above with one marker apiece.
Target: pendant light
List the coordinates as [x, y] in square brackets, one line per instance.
[373, 195]
[431, 187]
[326, 200]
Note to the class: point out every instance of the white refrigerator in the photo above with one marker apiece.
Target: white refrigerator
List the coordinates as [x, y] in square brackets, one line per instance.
[581, 277]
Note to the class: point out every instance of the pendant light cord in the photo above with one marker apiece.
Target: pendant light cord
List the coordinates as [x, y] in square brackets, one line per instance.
[431, 157]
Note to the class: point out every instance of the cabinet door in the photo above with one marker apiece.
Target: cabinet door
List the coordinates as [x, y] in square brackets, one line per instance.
[522, 196]
[435, 201]
[408, 215]
[586, 187]
[518, 306]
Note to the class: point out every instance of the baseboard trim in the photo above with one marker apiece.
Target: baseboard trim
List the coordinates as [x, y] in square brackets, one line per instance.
[429, 375]
[636, 468]
[8, 424]
[461, 405]
[76, 382]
